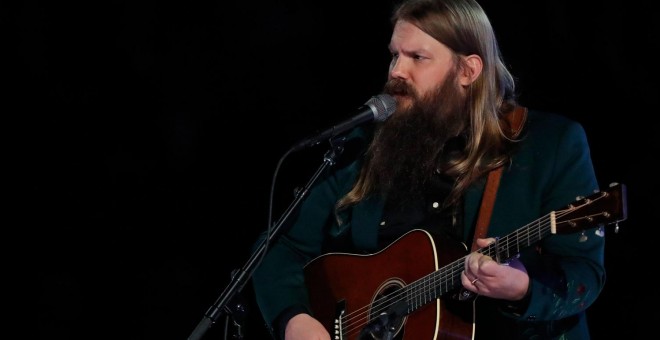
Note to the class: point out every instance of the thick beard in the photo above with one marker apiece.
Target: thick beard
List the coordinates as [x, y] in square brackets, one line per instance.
[406, 148]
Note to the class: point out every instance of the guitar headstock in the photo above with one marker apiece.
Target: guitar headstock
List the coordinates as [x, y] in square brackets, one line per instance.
[601, 208]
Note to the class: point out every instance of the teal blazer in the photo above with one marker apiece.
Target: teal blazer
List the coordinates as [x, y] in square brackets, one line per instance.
[551, 168]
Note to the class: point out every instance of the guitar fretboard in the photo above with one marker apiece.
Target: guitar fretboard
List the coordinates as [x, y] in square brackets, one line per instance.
[448, 278]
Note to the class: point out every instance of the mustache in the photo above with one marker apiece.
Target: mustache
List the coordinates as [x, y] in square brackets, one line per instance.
[398, 87]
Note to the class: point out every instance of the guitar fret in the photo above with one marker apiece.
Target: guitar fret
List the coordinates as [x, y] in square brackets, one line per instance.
[446, 279]
[425, 290]
[408, 298]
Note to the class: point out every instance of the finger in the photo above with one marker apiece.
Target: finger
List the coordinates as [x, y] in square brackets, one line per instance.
[484, 260]
[467, 279]
[483, 242]
[472, 264]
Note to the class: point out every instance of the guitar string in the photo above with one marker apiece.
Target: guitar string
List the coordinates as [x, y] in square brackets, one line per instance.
[352, 326]
[413, 290]
[448, 277]
[355, 321]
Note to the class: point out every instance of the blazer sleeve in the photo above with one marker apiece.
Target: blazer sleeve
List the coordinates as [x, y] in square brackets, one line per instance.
[567, 273]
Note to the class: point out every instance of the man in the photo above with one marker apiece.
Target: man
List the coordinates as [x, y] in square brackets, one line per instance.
[426, 167]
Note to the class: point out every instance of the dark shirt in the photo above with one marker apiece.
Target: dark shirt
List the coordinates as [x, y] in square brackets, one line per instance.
[427, 212]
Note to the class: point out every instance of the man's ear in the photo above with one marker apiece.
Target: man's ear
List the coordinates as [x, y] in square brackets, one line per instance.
[470, 70]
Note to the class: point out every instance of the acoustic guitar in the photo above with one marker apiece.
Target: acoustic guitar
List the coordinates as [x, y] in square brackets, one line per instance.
[411, 291]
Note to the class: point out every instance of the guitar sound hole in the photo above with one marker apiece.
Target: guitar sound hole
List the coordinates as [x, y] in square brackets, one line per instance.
[387, 313]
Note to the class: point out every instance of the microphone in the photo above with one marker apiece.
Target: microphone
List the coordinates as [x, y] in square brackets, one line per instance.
[377, 108]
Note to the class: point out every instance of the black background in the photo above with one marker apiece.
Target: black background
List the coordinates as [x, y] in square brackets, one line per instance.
[148, 133]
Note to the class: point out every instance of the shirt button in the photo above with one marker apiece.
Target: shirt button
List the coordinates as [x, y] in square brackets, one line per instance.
[436, 205]
[382, 223]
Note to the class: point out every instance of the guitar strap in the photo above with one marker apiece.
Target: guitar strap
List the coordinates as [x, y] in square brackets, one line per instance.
[516, 120]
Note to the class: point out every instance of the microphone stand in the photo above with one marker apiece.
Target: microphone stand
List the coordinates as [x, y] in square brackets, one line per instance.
[241, 277]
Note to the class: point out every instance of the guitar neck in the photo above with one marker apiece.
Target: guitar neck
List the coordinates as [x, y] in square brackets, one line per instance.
[575, 217]
[509, 246]
[393, 289]
[448, 278]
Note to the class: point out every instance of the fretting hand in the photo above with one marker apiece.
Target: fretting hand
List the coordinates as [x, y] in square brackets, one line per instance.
[486, 277]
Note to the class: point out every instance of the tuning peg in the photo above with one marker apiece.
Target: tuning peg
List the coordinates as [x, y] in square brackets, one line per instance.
[613, 184]
[616, 228]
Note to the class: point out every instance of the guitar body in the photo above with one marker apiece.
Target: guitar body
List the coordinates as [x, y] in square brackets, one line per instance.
[416, 291]
[355, 286]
